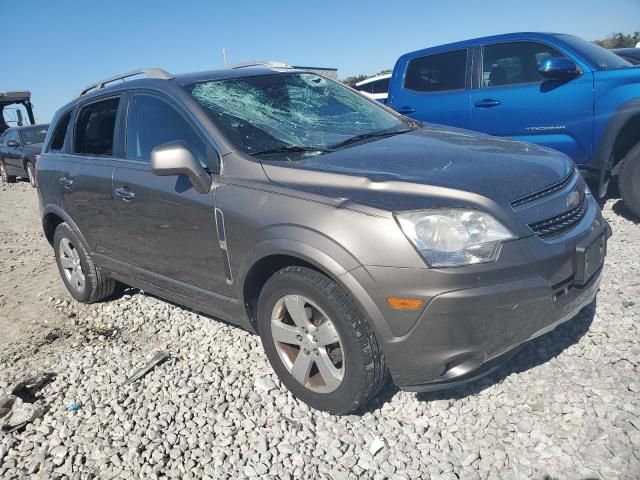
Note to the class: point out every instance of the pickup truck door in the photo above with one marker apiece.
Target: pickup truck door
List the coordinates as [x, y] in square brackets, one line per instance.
[433, 88]
[511, 99]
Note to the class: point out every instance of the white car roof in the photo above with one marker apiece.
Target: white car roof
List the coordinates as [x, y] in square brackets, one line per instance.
[373, 79]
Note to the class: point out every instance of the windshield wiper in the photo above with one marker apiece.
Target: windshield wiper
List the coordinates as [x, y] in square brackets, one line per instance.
[364, 136]
[290, 149]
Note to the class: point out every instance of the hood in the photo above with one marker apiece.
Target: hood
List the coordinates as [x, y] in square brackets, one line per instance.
[415, 169]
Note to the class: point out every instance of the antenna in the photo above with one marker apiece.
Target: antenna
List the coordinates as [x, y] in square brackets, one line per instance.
[224, 55]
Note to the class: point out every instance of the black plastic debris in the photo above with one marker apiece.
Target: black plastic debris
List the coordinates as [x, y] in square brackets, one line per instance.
[157, 359]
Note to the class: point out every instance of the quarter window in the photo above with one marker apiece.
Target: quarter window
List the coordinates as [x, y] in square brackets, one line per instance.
[59, 134]
[152, 122]
[437, 73]
[514, 62]
[96, 127]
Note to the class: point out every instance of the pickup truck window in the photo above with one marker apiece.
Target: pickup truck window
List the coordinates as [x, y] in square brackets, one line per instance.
[437, 73]
[59, 134]
[514, 62]
[599, 57]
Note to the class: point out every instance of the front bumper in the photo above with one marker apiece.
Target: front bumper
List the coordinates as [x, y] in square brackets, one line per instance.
[475, 316]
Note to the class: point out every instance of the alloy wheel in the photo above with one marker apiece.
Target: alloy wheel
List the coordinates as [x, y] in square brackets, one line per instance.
[308, 343]
[71, 265]
[31, 174]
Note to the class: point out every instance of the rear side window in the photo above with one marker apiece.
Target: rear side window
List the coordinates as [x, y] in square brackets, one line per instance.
[152, 122]
[380, 86]
[95, 128]
[437, 73]
[514, 62]
[59, 134]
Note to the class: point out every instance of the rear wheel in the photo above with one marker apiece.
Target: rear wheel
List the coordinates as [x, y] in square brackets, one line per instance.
[80, 275]
[4, 175]
[31, 173]
[629, 180]
[318, 342]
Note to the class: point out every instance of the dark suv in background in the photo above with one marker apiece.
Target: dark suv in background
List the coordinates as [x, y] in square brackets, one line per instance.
[357, 242]
[19, 151]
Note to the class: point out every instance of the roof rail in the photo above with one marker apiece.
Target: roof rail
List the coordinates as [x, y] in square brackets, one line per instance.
[149, 72]
[261, 63]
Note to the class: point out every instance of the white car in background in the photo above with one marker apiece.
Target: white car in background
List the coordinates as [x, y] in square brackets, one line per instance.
[375, 87]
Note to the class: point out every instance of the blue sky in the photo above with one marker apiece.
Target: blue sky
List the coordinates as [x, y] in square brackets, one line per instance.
[69, 44]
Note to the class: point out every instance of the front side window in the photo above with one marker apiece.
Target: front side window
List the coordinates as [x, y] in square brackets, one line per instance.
[33, 135]
[12, 135]
[380, 86]
[152, 122]
[297, 110]
[514, 62]
[437, 73]
[60, 132]
[96, 128]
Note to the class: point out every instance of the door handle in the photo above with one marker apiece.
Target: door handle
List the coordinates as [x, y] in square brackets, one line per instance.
[124, 194]
[66, 182]
[487, 103]
[406, 109]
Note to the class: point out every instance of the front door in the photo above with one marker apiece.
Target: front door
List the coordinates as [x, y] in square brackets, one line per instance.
[435, 89]
[167, 229]
[514, 100]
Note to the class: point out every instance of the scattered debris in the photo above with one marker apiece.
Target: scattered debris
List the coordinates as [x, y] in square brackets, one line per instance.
[74, 407]
[53, 335]
[157, 359]
[292, 423]
[17, 404]
[376, 445]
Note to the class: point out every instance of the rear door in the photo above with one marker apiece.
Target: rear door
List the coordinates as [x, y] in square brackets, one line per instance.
[513, 100]
[167, 229]
[435, 88]
[86, 171]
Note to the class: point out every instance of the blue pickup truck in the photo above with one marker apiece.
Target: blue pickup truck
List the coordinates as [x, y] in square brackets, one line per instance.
[551, 89]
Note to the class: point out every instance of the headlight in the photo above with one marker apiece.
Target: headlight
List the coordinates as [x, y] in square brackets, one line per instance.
[454, 237]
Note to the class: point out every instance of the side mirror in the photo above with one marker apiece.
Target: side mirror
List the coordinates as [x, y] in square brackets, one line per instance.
[13, 143]
[559, 68]
[175, 159]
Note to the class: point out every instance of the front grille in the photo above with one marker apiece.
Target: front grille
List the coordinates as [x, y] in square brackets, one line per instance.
[558, 224]
[545, 192]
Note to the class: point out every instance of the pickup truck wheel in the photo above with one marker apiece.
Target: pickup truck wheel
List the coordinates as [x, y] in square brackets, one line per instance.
[31, 173]
[5, 176]
[80, 275]
[629, 180]
[318, 342]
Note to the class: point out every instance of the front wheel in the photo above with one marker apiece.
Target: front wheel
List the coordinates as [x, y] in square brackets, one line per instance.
[318, 342]
[629, 180]
[6, 178]
[80, 275]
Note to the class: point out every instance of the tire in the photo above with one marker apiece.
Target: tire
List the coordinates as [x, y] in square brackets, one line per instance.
[6, 178]
[337, 333]
[31, 173]
[71, 254]
[629, 180]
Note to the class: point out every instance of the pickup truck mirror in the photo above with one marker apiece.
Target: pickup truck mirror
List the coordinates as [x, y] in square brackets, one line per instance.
[559, 68]
[175, 158]
[13, 143]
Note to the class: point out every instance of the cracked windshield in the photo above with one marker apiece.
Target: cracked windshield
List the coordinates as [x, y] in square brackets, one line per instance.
[298, 112]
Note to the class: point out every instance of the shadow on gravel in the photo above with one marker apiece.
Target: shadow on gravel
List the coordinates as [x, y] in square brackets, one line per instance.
[621, 209]
[536, 352]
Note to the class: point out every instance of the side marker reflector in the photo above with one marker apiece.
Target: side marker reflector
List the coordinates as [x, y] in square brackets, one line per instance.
[398, 303]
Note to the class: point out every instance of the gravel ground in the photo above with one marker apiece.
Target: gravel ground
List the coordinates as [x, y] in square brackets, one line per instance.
[567, 406]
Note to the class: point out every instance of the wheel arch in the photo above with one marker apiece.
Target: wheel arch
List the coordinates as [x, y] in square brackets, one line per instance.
[52, 216]
[273, 255]
[617, 138]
